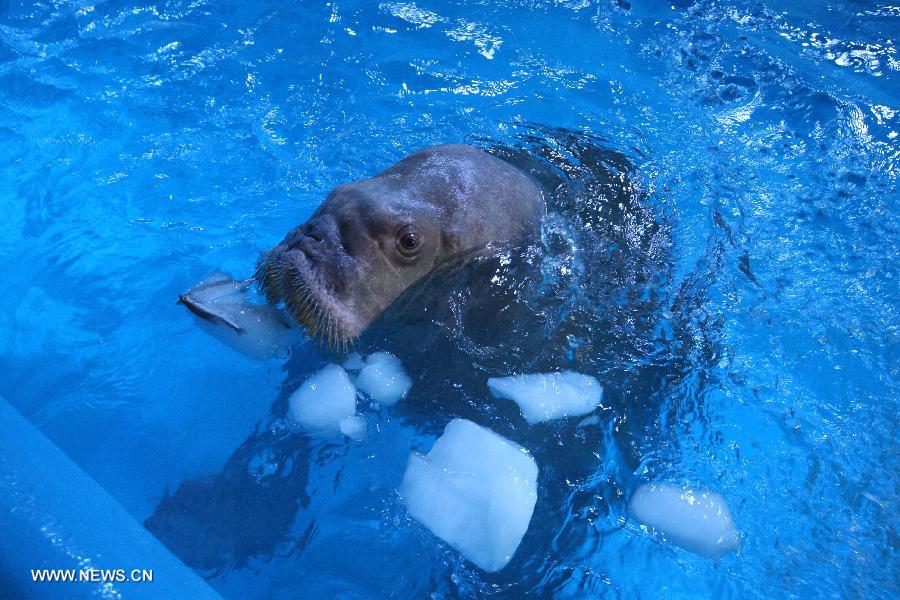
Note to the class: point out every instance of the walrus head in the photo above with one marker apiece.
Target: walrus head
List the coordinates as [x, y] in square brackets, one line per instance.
[371, 239]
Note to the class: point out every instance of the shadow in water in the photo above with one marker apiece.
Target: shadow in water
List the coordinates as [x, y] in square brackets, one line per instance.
[217, 522]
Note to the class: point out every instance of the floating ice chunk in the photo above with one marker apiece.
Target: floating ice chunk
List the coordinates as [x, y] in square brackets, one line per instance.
[354, 427]
[546, 396]
[383, 379]
[475, 490]
[698, 521]
[323, 401]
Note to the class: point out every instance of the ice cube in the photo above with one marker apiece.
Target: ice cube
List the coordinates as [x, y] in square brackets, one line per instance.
[323, 400]
[546, 396]
[383, 379]
[475, 490]
[696, 520]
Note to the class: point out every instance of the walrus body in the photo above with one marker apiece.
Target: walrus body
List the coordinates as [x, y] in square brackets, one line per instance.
[371, 239]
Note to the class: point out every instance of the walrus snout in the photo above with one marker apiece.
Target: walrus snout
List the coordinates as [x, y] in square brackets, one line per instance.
[313, 239]
[286, 276]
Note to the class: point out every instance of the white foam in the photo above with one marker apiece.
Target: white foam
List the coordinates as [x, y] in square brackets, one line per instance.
[354, 427]
[475, 490]
[546, 396]
[383, 379]
[696, 520]
[323, 400]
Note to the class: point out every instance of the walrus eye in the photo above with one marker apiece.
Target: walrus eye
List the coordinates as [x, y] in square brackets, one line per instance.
[408, 241]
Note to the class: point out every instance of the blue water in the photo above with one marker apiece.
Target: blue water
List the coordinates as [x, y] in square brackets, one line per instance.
[143, 145]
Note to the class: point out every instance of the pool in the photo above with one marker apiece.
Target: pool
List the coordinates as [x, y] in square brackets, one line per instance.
[755, 352]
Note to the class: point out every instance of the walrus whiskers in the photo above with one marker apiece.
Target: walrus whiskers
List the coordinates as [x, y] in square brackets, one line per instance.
[283, 283]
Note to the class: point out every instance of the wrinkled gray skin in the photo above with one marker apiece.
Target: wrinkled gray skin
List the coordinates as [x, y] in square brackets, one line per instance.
[371, 239]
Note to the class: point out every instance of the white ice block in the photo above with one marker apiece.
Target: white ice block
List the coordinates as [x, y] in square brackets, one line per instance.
[323, 400]
[383, 379]
[546, 396]
[696, 520]
[475, 490]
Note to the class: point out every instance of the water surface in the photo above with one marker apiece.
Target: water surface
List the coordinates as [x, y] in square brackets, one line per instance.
[143, 145]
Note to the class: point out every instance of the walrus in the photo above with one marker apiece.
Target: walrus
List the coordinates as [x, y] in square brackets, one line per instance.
[596, 293]
[372, 239]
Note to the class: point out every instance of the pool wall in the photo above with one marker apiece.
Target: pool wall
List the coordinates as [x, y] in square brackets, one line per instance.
[55, 516]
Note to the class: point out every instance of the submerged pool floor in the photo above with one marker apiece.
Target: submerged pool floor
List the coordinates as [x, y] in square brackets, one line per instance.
[735, 291]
